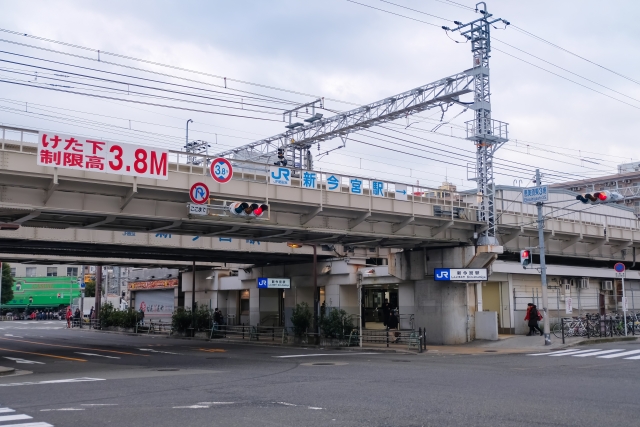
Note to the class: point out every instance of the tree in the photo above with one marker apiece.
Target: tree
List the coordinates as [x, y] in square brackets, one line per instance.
[90, 289]
[7, 283]
[301, 319]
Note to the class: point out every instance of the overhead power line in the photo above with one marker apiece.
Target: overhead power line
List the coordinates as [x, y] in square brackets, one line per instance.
[138, 102]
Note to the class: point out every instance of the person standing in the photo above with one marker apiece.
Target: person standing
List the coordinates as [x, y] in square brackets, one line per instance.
[69, 316]
[533, 316]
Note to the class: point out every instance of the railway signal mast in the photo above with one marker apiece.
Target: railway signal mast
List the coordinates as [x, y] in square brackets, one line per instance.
[487, 134]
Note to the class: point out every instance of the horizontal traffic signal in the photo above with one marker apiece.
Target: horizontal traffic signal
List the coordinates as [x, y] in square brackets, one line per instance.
[605, 196]
[248, 209]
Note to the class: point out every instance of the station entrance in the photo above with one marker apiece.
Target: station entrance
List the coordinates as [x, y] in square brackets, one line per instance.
[373, 304]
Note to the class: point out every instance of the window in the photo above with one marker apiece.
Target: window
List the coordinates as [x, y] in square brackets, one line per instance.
[13, 272]
[31, 272]
[72, 271]
[52, 271]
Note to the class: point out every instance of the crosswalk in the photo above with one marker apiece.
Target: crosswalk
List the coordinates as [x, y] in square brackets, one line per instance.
[8, 415]
[613, 353]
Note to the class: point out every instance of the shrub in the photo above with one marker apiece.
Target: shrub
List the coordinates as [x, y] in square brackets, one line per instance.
[181, 319]
[337, 324]
[109, 316]
[301, 319]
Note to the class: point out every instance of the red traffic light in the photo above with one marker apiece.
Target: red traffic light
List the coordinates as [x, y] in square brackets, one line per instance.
[602, 196]
[525, 254]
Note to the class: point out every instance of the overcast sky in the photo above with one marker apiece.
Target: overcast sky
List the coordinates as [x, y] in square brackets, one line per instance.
[344, 52]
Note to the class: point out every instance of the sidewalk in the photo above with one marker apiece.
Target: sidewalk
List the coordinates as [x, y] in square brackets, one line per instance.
[506, 344]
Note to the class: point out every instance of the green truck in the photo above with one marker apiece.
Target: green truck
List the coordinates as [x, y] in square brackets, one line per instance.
[43, 293]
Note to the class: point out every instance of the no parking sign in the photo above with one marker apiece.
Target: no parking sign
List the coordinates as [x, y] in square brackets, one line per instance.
[199, 193]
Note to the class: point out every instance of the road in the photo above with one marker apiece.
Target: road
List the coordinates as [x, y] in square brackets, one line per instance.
[92, 378]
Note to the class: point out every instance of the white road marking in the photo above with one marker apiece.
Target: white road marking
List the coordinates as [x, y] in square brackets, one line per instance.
[286, 404]
[321, 354]
[192, 407]
[313, 407]
[552, 353]
[5, 410]
[216, 403]
[28, 425]
[625, 353]
[62, 409]
[17, 417]
[598, 353]
[14, 336]
[98, 404]
[576, 352]
[97, 355]
[27, 362]
[70, 380]
[156, 351]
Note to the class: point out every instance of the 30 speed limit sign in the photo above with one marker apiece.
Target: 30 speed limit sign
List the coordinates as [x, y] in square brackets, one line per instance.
[221, 170]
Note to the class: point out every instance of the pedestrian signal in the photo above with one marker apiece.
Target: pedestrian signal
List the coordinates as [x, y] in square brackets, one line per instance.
[525, 258]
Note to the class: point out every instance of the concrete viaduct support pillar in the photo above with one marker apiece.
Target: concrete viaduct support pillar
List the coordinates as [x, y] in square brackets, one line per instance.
[442, 308]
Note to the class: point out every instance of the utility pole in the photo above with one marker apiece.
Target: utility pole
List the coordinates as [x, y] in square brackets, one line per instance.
[543, 266]
[487, 134]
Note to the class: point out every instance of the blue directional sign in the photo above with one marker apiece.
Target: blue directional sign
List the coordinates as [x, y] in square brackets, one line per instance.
[535, 194]
[460, 274]
[274, 283]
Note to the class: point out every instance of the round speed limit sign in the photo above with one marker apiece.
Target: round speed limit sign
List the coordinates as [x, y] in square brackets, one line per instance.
[221, 170]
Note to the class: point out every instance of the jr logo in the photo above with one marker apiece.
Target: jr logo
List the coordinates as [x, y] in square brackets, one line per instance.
[442, 274]
[280, 176]
[283, 174]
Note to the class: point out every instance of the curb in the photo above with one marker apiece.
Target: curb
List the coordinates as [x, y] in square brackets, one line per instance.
[257, 344]
[6, 371]
[602, 341]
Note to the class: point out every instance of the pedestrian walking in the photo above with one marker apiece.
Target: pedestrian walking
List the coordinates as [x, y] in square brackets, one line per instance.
[386, 311]
[392, 324]
[68, 317]
[533, 317]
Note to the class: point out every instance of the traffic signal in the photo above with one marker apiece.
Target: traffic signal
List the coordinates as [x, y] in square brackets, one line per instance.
[525, 258]
[281, 160]
[248, 209]
[605, 196]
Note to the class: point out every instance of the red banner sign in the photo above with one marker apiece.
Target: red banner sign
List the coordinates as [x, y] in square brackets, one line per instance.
[93, 155]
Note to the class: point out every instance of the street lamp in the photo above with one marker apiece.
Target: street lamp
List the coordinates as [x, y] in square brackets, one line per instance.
[187, 139]
[316, 326]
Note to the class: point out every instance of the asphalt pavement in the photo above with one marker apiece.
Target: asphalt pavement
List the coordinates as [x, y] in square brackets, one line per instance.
[91, 378]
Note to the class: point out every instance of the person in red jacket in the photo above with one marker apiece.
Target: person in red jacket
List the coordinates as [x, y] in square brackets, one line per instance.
[532, 317]
[69, 316]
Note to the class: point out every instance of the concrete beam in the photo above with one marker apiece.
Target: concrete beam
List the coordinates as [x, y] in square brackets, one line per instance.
[276, 234]
[355, 222]
[26, 218]
[130, 194]
[107, 220]
[399, 226]
[597, 245]
[511, 236]
[52, 187]
[619, 248]
[571, 242]
[308, 217]
[174, 224]
[228, 230]
[437, 230]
